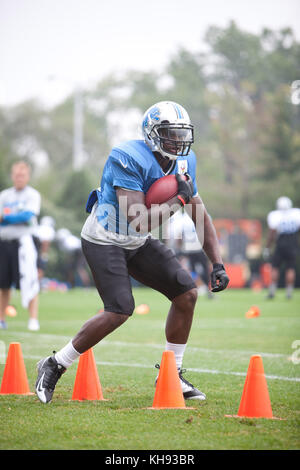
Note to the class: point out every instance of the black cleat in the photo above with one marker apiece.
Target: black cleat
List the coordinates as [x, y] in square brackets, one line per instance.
[188, 390]
[49, 371]
[270, 296]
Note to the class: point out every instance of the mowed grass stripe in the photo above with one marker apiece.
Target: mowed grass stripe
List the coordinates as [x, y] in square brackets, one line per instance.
[191, 369]
[40, 339]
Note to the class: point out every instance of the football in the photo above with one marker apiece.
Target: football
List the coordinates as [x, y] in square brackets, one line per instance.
[162, 190]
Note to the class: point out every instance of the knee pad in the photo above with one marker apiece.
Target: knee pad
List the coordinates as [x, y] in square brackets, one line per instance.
[123, 303]
[183, 277]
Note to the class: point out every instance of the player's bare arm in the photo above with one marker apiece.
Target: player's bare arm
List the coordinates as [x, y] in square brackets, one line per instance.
[271, 238]
[137, 213]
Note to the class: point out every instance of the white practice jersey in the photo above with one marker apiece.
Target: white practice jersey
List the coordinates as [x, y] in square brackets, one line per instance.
[13, 202]
[285, 222]
[182, 232]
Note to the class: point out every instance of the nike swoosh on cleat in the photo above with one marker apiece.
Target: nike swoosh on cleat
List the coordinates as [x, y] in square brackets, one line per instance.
[40, 390]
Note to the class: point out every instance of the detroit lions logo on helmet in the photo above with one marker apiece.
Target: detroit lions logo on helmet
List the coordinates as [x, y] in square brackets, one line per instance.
[154, 115]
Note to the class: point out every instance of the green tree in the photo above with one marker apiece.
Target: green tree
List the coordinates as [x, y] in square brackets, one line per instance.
[254, 124]
[73, 199]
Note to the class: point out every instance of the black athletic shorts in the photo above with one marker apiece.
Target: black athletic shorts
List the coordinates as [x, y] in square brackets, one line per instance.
[285, 252]
[153, 264]
[9, 264]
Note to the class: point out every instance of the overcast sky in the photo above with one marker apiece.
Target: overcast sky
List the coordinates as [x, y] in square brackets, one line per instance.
[80, 41]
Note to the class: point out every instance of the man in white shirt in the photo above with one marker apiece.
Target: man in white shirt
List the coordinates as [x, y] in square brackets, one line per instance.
[284, 226]
[19, 208]
[183, 239]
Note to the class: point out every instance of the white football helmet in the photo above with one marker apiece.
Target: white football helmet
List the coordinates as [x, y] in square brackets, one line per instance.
[47, 220]
[283, 203]
[62, 234]
[168, 130]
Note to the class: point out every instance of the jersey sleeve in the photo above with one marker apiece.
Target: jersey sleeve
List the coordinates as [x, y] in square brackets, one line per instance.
[19, 218]
[272, 220]
[126, 173]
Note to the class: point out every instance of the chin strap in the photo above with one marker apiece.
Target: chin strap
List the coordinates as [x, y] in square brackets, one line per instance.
[162, 158]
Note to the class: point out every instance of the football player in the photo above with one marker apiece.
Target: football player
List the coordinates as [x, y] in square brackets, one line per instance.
[284, 226]
[117, 243]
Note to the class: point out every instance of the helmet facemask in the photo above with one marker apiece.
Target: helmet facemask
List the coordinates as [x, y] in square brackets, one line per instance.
[173, 140]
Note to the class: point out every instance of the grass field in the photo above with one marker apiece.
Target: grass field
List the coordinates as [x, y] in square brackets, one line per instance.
[217, 358]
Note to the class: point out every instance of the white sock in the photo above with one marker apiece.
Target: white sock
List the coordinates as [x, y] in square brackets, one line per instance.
[67, 355]
[289, 291]
[272, 288]
[178, 350]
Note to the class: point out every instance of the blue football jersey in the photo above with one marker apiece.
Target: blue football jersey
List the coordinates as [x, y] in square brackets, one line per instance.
[132, 166]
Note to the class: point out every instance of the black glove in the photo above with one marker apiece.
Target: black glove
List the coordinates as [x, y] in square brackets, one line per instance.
[219, 278]
[185, 188]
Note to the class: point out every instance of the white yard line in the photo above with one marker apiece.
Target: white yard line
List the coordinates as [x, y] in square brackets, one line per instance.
[190, 369]
[42, 338]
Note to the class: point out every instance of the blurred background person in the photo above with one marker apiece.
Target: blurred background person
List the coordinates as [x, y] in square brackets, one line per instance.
[183, 239]
[76, 273]
[284, 226]
[44, 236]
[19, 208]
[237, 245]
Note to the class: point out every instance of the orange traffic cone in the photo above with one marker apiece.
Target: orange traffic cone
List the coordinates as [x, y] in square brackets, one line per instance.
[14, 380]
[87, 384]
[168, 393]
[142, 309]
[255, 401]
[254, 311]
